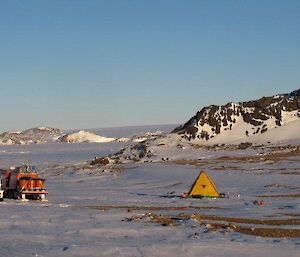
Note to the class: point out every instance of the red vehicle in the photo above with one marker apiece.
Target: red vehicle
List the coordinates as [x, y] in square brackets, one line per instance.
[23, 183]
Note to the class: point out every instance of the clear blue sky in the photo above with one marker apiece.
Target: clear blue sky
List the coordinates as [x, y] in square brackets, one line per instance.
[93, 63]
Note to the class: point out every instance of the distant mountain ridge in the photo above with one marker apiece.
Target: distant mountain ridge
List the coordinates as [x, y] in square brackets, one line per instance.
[243, 121]
[42, 135]
[36, 135]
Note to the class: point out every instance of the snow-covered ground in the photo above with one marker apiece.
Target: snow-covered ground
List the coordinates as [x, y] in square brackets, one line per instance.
[96, 213]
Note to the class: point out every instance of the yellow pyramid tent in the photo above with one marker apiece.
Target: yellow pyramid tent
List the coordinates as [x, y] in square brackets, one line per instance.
[203, 187]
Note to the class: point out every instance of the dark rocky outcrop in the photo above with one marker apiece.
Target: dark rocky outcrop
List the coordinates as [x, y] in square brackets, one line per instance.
[255, 112]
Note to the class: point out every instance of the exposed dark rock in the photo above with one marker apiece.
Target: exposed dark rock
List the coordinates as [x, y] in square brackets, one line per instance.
[244, 145]
[263, 130]
[100, 161]
[141, 149]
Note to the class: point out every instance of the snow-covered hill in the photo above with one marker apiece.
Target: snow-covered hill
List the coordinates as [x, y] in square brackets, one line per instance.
[88, 137]
[34, 135]
[84, 136]
[273, 119]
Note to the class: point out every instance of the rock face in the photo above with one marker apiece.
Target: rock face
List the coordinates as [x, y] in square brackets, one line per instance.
[33, 135]
[84, 136]
[244, 121]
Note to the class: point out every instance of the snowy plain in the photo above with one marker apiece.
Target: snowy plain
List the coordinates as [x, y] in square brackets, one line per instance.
[89, 211]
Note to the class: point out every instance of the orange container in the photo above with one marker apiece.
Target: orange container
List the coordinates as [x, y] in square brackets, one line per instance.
[39, 183]
[30, 183]
[23, 183]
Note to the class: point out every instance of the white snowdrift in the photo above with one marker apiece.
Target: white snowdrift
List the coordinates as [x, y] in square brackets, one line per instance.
[288, 132]
[85, 136]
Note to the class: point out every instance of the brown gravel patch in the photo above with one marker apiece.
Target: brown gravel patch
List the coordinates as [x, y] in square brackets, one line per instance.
[197, 163]
[269, 222]
[197, 216]
[151, 208]
[273, 155]
[232, 225]
[290, 173]
[263, 232]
